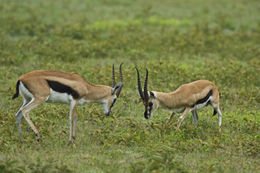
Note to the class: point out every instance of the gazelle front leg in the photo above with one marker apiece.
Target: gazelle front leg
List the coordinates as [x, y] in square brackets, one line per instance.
[27, 108]
[73, 105]
[170, 119]
[184, 114]
[75, 123]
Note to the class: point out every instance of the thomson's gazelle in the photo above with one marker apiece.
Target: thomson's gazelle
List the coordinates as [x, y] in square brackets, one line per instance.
[41, 86]
[185, 99]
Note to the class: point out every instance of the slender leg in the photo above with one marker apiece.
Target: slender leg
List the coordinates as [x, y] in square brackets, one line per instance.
[26, 109]
[75, 124]
[73, 104]
[19, 116]
[219, 118]
[170, 119]
[217, 109]
[195, 116]
[184, 114]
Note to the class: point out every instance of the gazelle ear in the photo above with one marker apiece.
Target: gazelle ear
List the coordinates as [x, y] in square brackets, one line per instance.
[116, 87]
[152, 94]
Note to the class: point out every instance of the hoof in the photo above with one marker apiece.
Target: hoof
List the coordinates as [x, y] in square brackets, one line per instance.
[71, 142]
[21, 140]
[37, 137]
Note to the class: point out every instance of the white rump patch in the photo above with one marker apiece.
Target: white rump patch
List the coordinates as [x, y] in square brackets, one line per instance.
[180, 110]
[25, 92]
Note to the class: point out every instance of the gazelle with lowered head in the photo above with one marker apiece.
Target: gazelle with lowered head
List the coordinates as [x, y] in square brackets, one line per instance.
[185, 99]
[41, 86]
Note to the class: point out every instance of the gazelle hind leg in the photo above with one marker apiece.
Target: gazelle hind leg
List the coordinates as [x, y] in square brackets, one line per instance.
[219, 118]
[19, 116]
[215, 105]
[27, 108]
[195, 116]
[75, 124]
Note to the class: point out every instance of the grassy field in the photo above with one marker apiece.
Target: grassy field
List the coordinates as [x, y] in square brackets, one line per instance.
[178, 41]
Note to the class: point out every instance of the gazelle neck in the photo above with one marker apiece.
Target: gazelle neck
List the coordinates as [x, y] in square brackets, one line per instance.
[166, 100]
[97, 93]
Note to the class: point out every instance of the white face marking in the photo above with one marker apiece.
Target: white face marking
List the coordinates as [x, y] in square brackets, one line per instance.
[105, 107]
[58, 97]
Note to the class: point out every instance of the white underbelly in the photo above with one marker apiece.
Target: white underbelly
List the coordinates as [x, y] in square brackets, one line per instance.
[199, 106]
[83, 101]
[180, 110]
[57, 97]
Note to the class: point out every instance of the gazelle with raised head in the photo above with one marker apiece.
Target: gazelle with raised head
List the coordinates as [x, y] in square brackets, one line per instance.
[41, 86]
[185, 99]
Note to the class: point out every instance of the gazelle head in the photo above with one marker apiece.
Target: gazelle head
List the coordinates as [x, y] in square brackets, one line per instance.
[150, 101]
[116, 89]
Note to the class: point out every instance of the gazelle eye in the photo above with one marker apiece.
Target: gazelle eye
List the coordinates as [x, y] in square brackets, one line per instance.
[150, 104]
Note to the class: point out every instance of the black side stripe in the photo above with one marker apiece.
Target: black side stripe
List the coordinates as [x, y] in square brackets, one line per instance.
[59, 87]
[203, 100]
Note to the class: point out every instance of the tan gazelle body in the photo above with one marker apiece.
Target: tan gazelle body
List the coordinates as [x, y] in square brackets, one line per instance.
[41, 86]
[185, 99]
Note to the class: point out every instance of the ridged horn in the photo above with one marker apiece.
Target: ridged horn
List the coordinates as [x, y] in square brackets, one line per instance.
[121, 80]
[113, 76]
[139, 85]
[146, 97]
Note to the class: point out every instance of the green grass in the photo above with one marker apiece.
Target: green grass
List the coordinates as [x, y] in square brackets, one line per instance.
[177, 41]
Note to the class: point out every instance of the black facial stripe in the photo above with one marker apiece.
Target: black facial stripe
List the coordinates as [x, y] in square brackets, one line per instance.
[150, 106]
[59, 87]
[114, 101]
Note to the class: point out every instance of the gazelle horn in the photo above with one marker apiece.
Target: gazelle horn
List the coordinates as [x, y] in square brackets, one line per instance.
[139, 85]
[146, 97]
[113, 76]
[121, 80]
